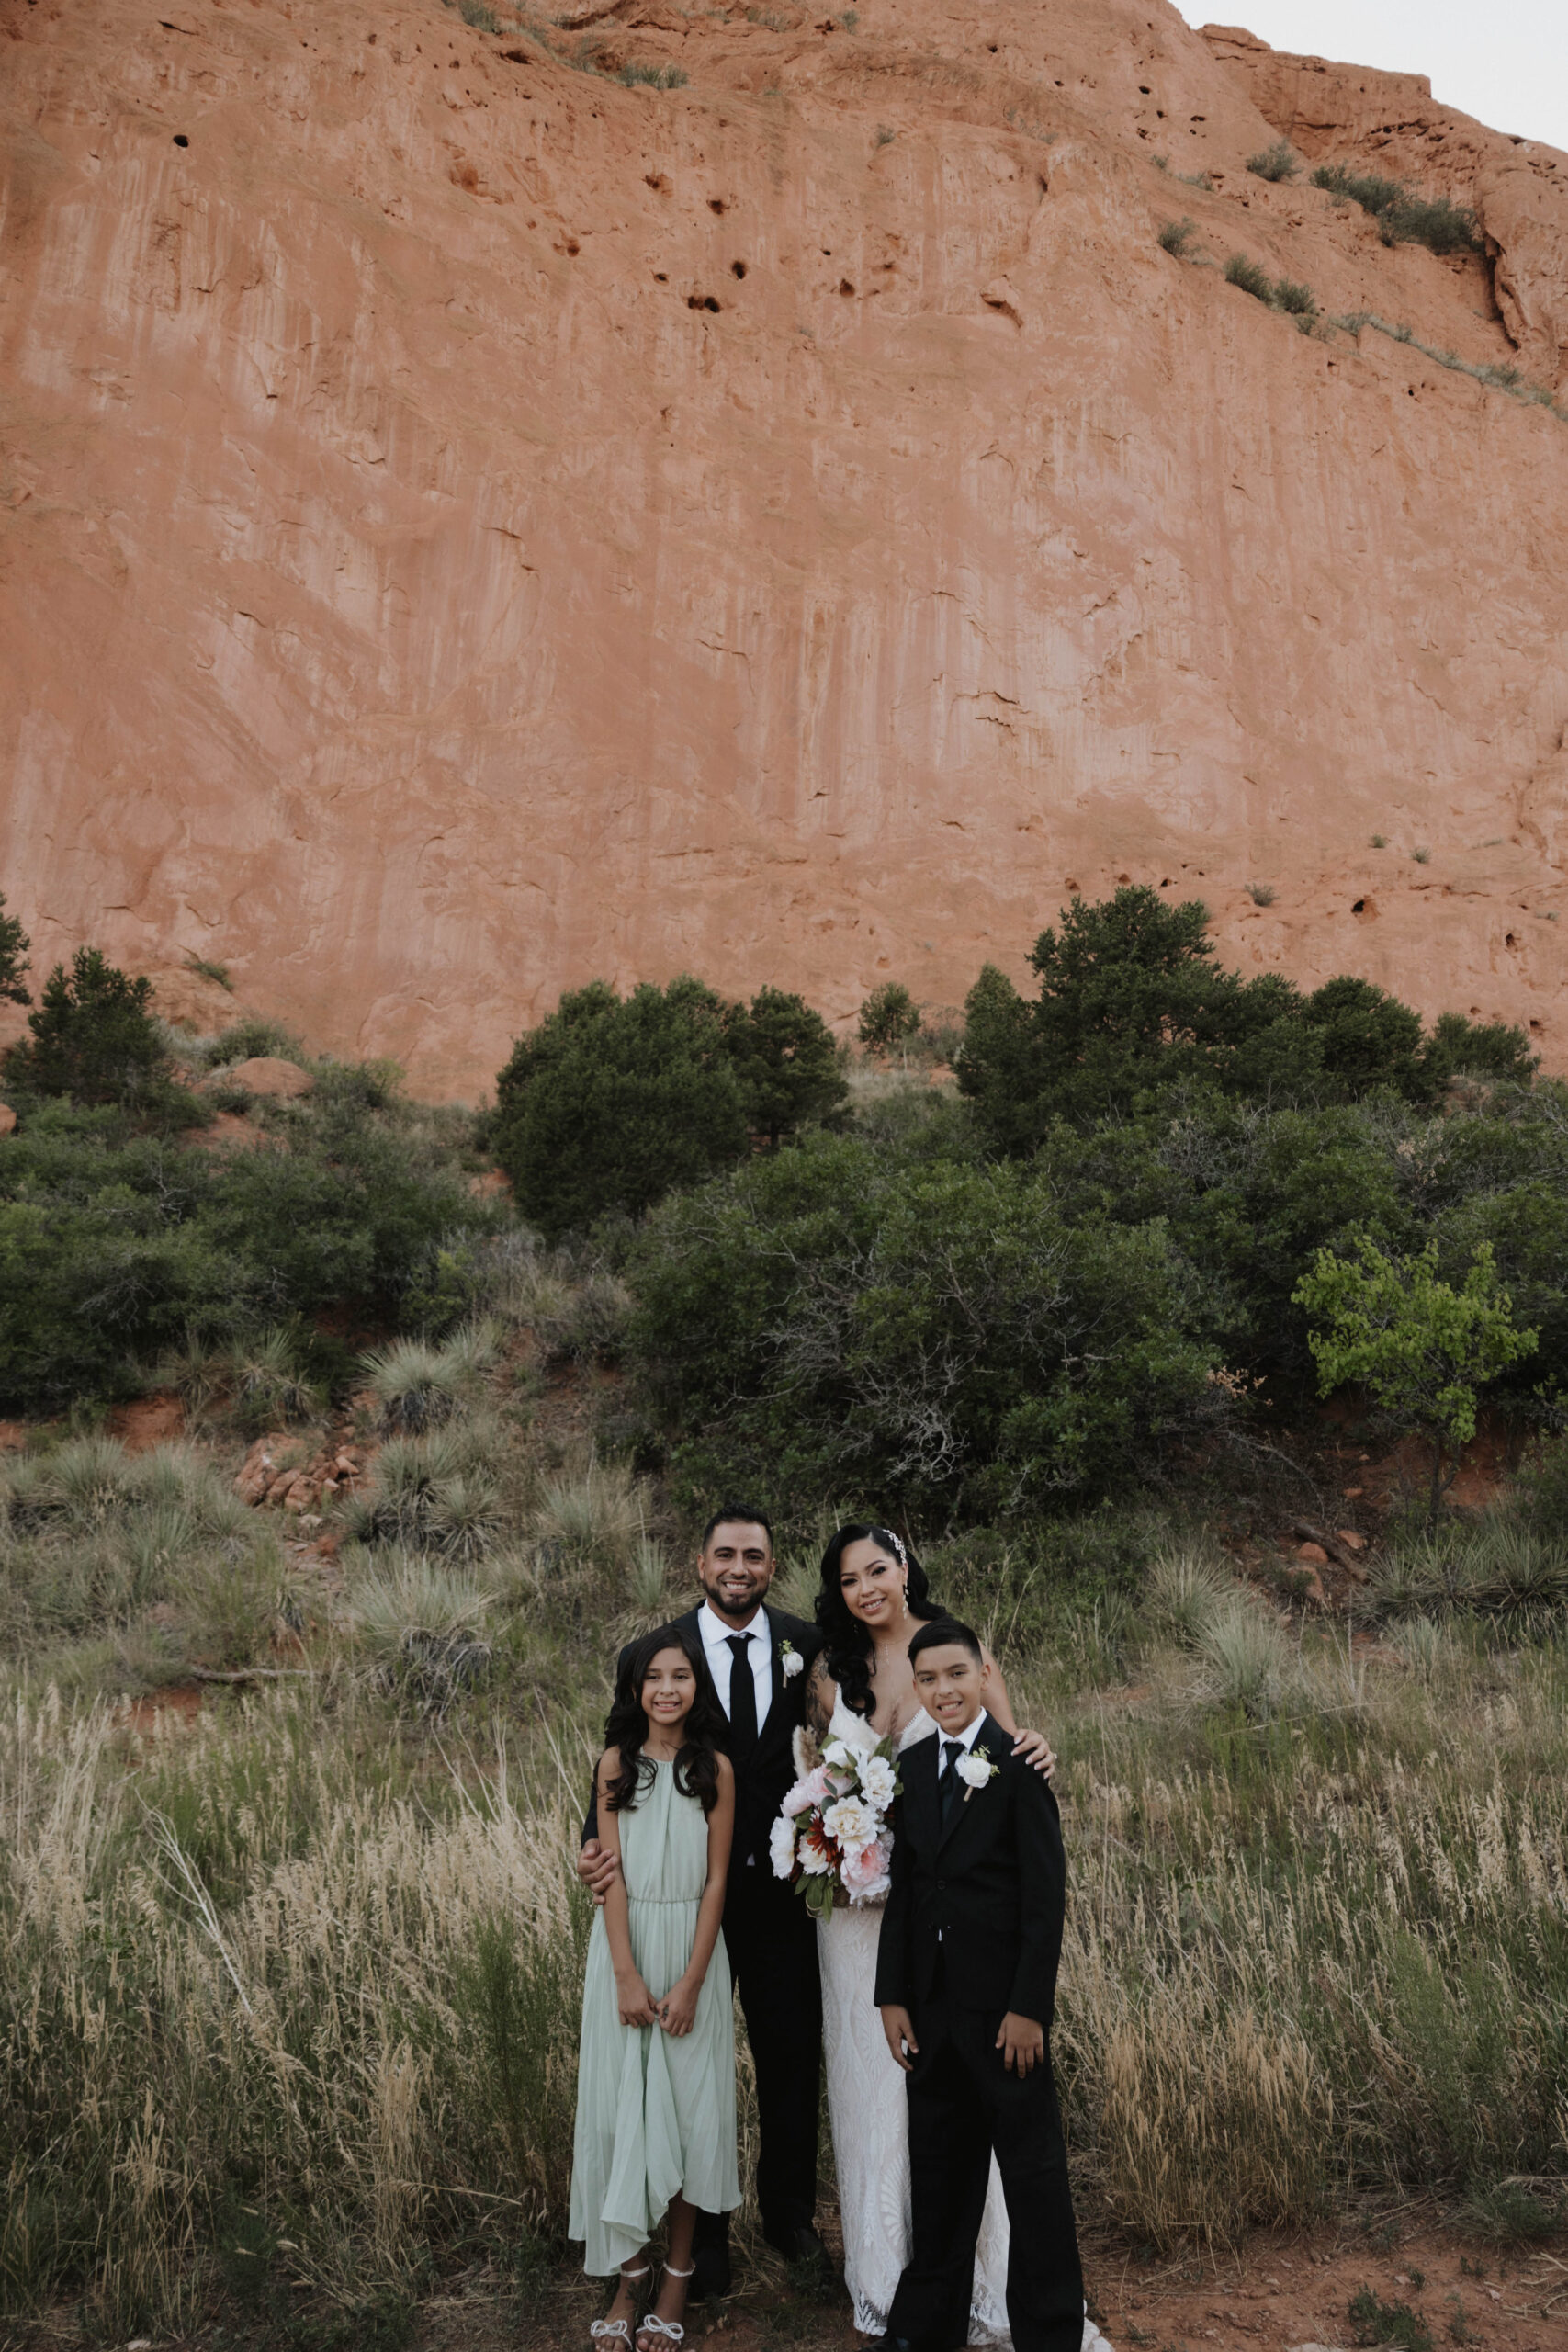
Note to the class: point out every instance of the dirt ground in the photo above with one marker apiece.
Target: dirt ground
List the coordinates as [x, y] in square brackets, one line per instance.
[1274, 2292]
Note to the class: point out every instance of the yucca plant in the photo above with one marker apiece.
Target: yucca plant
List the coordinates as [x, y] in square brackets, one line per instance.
[599, 1508]
[1244, 1659]
[463, 1516]
[1186, 1591]
[421, 1626]
[269, 1385]
[94, 1479]
[415, 1385]
[648, 1577]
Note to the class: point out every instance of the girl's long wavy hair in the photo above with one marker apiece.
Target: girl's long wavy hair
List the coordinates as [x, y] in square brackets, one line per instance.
[696, 1766]
[847, 1641]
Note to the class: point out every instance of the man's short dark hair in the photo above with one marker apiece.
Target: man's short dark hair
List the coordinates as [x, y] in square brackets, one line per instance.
[938, 1632]
[745, 1514]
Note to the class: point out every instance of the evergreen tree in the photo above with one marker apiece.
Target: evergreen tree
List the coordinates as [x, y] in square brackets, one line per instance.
[93, 1038]
[14, 946]
[784, 1056]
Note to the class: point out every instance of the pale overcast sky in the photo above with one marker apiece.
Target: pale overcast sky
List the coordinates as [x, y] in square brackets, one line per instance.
[1505, 63]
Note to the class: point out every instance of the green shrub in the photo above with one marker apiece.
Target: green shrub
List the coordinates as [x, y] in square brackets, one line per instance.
[93, 1039]
[784, 1056]
[653, 78]
[116, 1246]
[1175, 237]
[1250, 276]
[888, 1019]
[829, 1321]
[1276, 162]
[610, 1103]
[1297, 301]
[1403, 216]
[14, 946]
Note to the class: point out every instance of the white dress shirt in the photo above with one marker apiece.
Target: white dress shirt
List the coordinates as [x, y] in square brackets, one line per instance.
[720, 1657]
[965, 1738]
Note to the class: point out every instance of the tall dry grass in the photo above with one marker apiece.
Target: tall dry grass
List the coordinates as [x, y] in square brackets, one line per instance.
[278, 1997]
[241, 1977]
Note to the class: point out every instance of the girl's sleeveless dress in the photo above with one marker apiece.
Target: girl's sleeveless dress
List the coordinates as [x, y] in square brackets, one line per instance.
[655, 2114]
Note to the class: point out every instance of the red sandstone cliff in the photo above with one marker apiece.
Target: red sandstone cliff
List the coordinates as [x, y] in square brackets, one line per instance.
[466, 524]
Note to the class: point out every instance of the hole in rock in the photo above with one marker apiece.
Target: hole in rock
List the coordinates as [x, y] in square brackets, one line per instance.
[180, 139]
[1509, 939]
[1535, 1029]
[1143, 92]
[738, 269]
[573, 247]
[657, 181]
[700, 303]
[845, 286]
[716, 204]
[1123, 878]
[661, 276]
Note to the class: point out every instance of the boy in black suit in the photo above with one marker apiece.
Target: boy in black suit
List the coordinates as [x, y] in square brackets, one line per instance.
[966, 1984]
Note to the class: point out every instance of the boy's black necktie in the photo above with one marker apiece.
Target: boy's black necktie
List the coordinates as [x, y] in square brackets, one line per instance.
[947, 1787]
[742, 1699]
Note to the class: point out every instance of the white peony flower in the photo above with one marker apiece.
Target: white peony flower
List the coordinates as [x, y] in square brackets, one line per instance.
[877, 1782]
[975, 1771]
[814, 1862]
[851, 1822]
[781, 1846]
[837, 1754]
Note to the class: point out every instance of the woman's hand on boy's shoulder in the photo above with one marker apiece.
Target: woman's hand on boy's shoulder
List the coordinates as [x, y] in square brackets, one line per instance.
[1033, 1747]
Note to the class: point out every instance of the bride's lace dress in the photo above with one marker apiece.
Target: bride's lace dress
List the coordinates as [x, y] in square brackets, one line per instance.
[871, 2120]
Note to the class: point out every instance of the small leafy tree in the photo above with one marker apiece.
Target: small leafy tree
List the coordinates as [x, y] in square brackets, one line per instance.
[783, 1055]
[14, 946]
[1423, 1348]
[94, 1037]
[610, 1102]
[888, 1018]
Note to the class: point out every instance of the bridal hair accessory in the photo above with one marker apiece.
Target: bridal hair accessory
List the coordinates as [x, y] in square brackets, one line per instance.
[791, 1663]
[975, 1769]
[898, 1544]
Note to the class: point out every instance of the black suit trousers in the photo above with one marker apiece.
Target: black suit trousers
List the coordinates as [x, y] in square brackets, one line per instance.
[772, 1941]
[963, 2105]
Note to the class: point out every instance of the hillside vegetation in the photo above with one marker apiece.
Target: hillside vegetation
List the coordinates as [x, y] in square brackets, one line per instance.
[299, 1707]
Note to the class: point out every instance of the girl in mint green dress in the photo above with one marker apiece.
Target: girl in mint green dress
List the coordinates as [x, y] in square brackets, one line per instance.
[656, 2131]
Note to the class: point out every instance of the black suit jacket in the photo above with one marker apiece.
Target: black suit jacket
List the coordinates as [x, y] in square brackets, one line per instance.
[763, 1780]
[978, 1911]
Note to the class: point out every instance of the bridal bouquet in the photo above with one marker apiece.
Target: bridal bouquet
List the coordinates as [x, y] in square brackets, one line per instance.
[831, 1838]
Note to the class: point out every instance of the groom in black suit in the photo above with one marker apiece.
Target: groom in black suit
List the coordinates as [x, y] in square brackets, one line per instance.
[966, 1984]
[757, 1660]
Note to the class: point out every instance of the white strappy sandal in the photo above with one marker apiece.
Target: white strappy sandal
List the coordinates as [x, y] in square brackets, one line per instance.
[619, 2331]
[671, 2330]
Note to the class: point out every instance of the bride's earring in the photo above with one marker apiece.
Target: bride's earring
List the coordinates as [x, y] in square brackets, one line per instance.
[905, 1596]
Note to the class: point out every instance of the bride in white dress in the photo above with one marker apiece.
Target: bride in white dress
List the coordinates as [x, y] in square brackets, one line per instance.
[874, 1594]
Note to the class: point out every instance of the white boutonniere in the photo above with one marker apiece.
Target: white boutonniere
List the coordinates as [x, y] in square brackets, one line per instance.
[975, 1769]
[791, 1663]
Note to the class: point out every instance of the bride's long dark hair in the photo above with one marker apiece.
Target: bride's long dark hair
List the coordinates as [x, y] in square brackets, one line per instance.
[847, 1641]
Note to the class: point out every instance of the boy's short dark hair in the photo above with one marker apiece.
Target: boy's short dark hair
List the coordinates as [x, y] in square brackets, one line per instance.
[746, 1514]
[939, 1630]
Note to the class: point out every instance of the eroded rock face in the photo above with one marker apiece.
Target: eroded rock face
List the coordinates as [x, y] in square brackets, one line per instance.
[1391, 124]
[467, 526]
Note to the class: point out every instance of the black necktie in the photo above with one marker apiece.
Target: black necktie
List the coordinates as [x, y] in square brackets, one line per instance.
[742, 1699]
[947, 1787]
